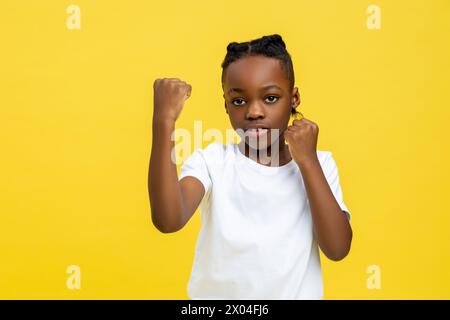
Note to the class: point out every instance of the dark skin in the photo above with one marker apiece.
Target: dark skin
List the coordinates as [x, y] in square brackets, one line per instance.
[174, 202]
[256, 92]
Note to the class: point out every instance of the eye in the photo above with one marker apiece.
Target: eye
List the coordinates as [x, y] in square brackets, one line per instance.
[233, 102]
[271, 99]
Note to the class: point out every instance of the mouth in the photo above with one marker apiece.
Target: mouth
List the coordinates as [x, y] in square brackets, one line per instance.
[256, 132]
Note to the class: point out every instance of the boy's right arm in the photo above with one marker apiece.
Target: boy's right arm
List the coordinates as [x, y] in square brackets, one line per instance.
[172, 202]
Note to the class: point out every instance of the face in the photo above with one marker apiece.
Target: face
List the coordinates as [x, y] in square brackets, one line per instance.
[257, 95]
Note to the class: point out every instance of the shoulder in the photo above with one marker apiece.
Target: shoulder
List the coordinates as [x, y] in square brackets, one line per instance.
[201, 160]
[324, 156]
[215, 147]
[326, 160]
[328, 164]
[212, 153]
[214, 150]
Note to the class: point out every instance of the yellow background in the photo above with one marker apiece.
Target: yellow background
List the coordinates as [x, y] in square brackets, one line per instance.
[76, 109]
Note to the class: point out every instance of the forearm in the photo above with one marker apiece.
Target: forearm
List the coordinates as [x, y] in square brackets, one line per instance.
[331, 226]
[164, 190]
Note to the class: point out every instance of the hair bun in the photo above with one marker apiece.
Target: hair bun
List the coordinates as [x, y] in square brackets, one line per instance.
[275, 39]
[236, 47]
[231, 46]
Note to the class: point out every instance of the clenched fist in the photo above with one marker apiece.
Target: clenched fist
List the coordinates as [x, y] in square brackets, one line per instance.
[169, 95]
[301, 137]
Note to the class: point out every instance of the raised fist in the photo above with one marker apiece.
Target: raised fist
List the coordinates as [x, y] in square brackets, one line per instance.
[169, 95]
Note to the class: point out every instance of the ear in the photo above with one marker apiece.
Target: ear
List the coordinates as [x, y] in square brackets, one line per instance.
[295, 102]
[225, 105]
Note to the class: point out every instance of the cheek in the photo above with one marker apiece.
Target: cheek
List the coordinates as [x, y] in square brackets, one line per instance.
[236, 116]
[282, 115]
[235, 122]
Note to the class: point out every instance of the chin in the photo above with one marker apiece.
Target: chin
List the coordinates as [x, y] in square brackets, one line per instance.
[262, 143]
[257, 146]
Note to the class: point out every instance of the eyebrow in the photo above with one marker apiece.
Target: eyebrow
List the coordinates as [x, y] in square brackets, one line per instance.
[260, 89]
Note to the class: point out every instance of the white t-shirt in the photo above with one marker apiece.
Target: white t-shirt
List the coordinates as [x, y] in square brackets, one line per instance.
[256, 240]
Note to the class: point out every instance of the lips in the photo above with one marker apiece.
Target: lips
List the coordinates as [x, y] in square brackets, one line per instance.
[256, 132]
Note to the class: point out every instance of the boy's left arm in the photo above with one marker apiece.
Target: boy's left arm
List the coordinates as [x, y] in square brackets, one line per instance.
[331, 226]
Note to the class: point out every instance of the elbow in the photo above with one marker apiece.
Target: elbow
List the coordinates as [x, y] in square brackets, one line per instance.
[166, 227]
[167, 230]
[338, 254]
[164, 230]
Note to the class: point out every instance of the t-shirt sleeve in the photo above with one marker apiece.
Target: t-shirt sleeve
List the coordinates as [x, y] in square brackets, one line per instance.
[195, 165]
[332, 176]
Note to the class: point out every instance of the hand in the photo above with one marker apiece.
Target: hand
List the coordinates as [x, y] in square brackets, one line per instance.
[169, 97]
[301, 137]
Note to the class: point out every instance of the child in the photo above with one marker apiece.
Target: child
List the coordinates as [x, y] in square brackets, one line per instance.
[266, 206]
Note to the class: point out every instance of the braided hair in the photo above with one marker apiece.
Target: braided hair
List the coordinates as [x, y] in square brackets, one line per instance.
[271, 46]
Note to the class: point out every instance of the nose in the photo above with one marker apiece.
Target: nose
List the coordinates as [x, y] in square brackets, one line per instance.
[255, 111]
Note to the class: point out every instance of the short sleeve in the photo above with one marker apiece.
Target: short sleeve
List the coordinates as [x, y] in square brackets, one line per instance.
[195, 165]
[332, 176]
